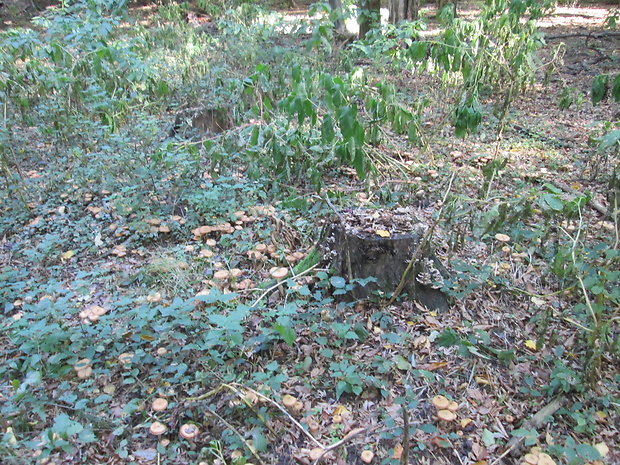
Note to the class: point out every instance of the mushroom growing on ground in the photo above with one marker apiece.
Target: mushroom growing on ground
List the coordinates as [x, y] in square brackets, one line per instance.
[189, 431]
[159, 404]
[157, 428]
[446, 415]
[314, 428]
[316, 453]
[85, 372]
[367, 456]
[83, 368]
[279, 273]
[441, 402]
[453, 406]
[545, 459]
[289, 402]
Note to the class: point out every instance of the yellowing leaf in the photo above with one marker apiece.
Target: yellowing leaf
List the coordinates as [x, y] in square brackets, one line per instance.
[465, 421]
[341, 410]
[398, 452]
[67, 255]
[382, 233]
[531, 344]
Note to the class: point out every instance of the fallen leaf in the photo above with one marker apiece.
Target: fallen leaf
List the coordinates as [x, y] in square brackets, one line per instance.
[531, 345]
[382, 233]
[398, 452]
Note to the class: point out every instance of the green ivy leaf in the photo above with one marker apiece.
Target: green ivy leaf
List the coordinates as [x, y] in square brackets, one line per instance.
[588, 452]
[327, 129]
[599, 88]
[287, 332]
[615, 89]
[346, 118]
[448, 338]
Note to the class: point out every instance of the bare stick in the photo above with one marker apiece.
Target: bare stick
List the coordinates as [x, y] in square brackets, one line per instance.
[347, 438]
[284, 411]
[535, 422]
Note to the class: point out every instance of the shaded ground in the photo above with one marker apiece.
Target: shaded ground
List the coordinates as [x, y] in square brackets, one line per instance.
[404, 347]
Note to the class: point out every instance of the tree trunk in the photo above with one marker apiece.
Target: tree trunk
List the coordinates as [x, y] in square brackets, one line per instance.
[403, 10]
[369, 16]
[336, 6]
[442, 3]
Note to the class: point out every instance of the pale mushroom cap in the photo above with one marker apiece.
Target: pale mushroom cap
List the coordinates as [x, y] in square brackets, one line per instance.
[85, 372]
[159, 404]
[125, 357]
[441, 402]
[367, 456]
[453, 406]
[446, 415]
[316, 453]
[502, 237]
[157, 428]
[288, 400]
[279, 273]
[532, 459]
[97, 310]
[81, 364]
[545, 459]
[188, 431]
[236, 272]
[220, 274]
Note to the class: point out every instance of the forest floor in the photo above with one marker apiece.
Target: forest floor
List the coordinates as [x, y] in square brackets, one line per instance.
[509, 352]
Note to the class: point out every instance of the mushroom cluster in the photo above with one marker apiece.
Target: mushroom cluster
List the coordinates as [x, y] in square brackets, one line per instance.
[159, 405]
[203, 231]
[92, 313]
[83, 368]
[537, 457]
[291, 404]
[446, 409]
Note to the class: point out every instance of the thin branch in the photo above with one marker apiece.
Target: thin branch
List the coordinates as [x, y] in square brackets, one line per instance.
[285, 412]
[589, 35]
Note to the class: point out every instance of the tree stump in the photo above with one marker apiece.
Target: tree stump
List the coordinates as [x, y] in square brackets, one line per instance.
[201, 121]
[366, 243]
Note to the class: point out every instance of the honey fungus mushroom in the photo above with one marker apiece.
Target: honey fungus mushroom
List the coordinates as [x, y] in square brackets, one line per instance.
[367, 456]
[446, 415]
[289, 402]
[157, 428]
[188, 431]
[159, 404]
[441, 402]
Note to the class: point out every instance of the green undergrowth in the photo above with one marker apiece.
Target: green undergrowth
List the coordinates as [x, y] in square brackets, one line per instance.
[102, 205]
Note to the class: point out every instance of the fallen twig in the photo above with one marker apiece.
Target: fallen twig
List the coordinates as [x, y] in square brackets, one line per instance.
[589, 35]
[533, 423]
[283, 410]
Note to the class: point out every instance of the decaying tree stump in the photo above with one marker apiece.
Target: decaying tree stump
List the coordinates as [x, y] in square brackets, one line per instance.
[199, 121]
[368, 243]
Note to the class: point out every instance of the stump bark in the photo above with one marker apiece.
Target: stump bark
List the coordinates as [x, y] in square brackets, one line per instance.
[354, 246]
